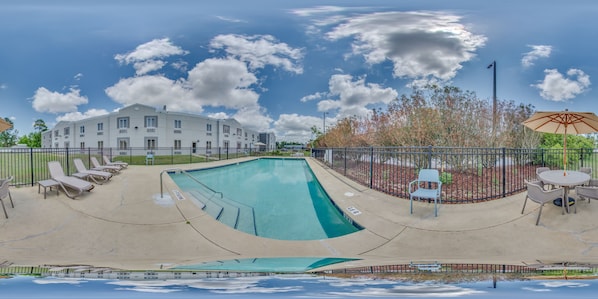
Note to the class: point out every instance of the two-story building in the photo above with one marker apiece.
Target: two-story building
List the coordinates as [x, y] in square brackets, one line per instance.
[141, 126]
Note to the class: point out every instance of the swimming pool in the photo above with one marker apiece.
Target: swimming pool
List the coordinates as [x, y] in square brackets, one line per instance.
[268, 197]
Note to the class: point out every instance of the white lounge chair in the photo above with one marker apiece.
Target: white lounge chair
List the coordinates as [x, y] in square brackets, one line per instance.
[115, 163]
[97, 166]
[75, 184]
[4, 193]
[94, 175]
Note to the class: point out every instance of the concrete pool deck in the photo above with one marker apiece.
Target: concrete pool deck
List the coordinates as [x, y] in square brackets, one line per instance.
[125, 224]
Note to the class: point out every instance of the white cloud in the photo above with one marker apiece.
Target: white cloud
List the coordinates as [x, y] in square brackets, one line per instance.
[354, 96]
[3, 86]
[55, 102]
[154, 91]
[147, 57]
[315, 96]
[306, 12]
[253, 117]
[78, 76]
[259, 51]
[419, 44]
[556, 87]
[223, 83]
[294, 127]
[73, 116]
[231, 20]
[538, 51]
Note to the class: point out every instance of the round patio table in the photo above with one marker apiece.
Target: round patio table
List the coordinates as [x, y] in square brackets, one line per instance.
[566, 179]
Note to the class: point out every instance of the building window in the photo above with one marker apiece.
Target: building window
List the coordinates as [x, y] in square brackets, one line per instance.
[177, 123]
[177, 144]
[226, 144]
[209, 127]
[100, 126]
[123, 122]
[226, 129]
[82, 130]
[123, 143]
[238, 145]
[151, 121]
[208, 144]
[100, 144]
[150, 143]
[239, 132]
[66, 144]
[82, 145]
[56, 134]
[67, 131]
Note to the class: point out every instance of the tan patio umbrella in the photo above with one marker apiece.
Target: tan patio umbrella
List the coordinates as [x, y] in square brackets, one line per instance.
[563, 122]
[4, 125]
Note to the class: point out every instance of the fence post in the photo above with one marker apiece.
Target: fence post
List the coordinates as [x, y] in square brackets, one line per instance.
[32, 168]
[504, 172]
[371, 167]
[429, 156]
[345, 161]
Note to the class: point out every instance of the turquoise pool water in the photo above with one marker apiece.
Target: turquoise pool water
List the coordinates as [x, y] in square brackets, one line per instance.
[278, 265]
[271, 198]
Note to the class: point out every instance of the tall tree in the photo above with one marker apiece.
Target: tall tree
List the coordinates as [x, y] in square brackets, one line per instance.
[9, 137]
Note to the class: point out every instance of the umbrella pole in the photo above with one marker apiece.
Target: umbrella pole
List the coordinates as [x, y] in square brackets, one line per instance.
[565, 152]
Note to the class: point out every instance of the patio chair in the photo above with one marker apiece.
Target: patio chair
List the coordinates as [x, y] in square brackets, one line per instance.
[536, 193]
[97, 166]
[427, 185]
[538, 171]
[4, 193]
[94, 175]
[70, 182]
[587, 170]
[589, 191]
[120, 164]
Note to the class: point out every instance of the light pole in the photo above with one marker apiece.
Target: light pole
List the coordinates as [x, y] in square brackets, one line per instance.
[493, 66]
[324, 123]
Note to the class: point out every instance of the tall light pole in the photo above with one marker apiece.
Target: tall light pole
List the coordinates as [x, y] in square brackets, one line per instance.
[324, 123]
[493, 66]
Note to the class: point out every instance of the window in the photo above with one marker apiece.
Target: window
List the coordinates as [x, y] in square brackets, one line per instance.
[151, 121]
[226, 144]
[177, 144]
[238, 145]
[208, 144]
[56, 134]
[100, 126]
[100, 144]
[177, 123]
[123, 143]
[66, 144]
[226, 129]
[82, 145]
[67, 131]
[209, 127]
[82, 130]
[150, 143]
[123, 122]
[239, 132]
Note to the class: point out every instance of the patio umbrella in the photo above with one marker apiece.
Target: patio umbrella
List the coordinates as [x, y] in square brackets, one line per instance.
[563, 122]
[4, 125]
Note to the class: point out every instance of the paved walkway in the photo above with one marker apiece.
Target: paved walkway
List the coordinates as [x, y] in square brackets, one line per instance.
[126, 224]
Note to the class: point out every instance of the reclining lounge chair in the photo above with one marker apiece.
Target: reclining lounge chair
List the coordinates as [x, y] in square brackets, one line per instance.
[94, 175]
[115, 163]
[97, 166]
[74, 184]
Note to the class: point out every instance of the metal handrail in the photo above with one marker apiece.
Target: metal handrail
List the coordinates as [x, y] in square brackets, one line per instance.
[178, 170]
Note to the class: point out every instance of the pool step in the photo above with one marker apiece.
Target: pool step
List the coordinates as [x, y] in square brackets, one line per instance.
[227, 211]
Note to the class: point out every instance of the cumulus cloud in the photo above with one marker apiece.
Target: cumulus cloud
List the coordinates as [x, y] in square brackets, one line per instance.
[538, 51]
[557, 87]
[352, 97]
[254, 117]
[419, 44]
[45, 100]
[223, 83]
[148, 57]
[154, 90]
[73, 116]
[295, 127]
[259, 50]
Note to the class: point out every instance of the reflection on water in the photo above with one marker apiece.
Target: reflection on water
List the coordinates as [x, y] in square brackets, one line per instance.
[289, 286]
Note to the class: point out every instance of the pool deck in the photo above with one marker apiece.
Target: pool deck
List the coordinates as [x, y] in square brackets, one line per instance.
[126, 224]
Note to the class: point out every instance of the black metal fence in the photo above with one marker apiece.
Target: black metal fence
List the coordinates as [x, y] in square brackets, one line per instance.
[439, 268]
[468, 174]
[29, 165]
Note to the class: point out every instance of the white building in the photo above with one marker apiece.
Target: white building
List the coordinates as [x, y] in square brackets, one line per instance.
[147, 128]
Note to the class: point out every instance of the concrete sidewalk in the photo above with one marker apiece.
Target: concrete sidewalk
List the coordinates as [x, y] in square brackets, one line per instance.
[126, 224]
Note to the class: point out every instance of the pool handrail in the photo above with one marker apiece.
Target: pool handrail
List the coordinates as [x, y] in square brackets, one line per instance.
[178, 170]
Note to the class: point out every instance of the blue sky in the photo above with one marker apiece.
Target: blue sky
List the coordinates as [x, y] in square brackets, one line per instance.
[280, 65]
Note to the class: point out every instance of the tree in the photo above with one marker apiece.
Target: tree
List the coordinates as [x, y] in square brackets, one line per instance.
[9, 137]
[34, 139]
